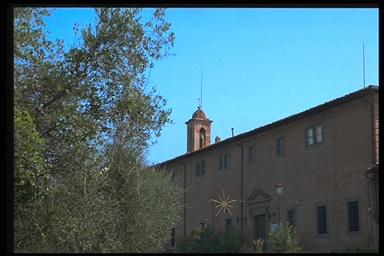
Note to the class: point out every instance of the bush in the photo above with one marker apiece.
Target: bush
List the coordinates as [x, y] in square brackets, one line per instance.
[205, 239]
[233, 240]
[284, 239]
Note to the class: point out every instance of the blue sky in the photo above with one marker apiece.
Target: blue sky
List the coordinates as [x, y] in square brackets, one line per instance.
[254, 65]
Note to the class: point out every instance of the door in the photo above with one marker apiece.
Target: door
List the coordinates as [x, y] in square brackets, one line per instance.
[259, 229]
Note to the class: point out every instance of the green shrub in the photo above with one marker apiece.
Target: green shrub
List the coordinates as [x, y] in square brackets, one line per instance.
[232, 240]
[205, 239]
[284, 239]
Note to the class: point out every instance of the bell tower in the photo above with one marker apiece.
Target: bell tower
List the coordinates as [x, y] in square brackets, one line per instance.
[198, 131]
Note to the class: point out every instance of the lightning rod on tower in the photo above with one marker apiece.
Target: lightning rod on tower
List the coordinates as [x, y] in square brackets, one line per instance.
[201, 91]
[363, 67]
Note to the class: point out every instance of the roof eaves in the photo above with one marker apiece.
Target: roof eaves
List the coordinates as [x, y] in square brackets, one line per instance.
[373, 168]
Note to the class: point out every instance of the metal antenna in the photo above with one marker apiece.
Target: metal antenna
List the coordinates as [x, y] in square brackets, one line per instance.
[201, 91]
[363, 67]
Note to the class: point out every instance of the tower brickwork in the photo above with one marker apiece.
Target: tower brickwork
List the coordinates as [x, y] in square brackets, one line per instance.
[198, 131]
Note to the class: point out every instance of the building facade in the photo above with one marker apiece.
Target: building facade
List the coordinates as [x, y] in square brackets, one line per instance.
[325, 159]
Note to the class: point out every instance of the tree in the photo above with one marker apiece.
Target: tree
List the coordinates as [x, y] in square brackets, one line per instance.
[29, 144]
[154, 204]
[29, 181]
[76, 98]
[124, 207]
[72, 107]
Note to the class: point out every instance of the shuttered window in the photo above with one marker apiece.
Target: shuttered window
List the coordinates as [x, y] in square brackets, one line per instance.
[353, 216]
[322, 227]
[291, 217]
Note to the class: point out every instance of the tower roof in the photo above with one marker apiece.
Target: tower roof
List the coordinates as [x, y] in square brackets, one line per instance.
[199, 114]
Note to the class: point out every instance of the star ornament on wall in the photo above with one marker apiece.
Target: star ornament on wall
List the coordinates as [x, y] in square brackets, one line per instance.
[224, 203]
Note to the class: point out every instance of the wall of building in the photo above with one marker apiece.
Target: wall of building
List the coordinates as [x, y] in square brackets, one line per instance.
[330, 173]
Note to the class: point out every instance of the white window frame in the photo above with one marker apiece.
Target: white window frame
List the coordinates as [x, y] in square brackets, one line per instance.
[314, 135]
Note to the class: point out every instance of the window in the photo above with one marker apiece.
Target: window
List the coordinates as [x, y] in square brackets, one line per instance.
[291, 217]
[224, 162]
[173, 238]
[353, 217]
[200, 169]
[280, 146]
[314, 135]
[228, 222]
[322, 221]
[251, 154]
[173, 176]
[197, 170]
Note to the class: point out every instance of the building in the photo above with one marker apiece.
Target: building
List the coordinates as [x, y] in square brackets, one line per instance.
[326, 160]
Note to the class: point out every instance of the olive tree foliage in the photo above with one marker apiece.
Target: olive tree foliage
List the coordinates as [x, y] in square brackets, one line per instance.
[77, 97]
[124, 207]
[29, 181]
[154, 204]
[29, 145]
[72, 107]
